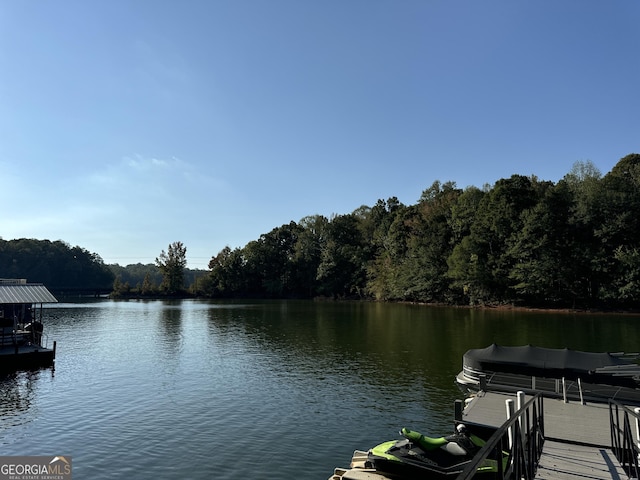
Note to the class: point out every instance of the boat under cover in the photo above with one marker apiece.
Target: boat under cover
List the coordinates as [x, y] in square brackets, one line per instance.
[592, 367]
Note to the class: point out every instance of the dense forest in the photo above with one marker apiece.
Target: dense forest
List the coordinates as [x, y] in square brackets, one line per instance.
[58, 265]
[522, 241]
[74, 270]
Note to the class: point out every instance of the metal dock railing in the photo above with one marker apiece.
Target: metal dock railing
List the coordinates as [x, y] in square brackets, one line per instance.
[517, 443]
[558, 440]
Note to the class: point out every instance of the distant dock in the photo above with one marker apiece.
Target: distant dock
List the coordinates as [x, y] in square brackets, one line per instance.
[23, 342]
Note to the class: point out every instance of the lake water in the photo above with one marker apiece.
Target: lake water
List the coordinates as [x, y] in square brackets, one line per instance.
[260, 390]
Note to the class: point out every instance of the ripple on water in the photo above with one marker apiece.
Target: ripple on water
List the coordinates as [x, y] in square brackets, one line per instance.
[153, 390]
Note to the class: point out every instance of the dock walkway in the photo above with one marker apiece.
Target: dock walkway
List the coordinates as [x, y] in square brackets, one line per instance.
[577, 437]
[565, 461]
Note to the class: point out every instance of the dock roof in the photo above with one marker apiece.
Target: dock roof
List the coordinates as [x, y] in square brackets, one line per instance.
[25, 293]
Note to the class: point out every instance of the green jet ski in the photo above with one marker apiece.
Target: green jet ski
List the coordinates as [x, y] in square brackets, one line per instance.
[419, 456]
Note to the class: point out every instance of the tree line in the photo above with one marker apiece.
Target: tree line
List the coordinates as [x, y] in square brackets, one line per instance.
[168, 277]
[58, 265]
[574, 243]
[74, 270]
[523, 241]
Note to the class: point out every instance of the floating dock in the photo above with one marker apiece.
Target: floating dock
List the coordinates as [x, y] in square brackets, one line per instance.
[550, 438]
[542, 414]
[562, 461]
[572, 422]
[578, 440]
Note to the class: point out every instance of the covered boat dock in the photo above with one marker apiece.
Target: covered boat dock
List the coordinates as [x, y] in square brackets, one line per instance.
[23, 343]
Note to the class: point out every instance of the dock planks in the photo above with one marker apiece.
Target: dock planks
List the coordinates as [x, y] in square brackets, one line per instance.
[570, 422]
[578, 438]
[563, 461]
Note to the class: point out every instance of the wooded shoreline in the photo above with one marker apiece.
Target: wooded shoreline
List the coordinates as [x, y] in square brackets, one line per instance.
[571, 246]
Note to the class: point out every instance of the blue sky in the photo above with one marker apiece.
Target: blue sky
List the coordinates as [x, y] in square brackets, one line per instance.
[128, 125]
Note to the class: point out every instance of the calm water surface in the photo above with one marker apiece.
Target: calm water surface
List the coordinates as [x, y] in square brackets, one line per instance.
[262, 390]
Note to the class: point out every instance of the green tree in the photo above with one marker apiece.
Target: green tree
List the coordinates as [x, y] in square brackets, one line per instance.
[172, 265]
[464, 212]
[618, 229]
[270, 261]
[147, 287]
[552, 264]
[585, 251]
[56, 264]
[481, 262]
[430, 244]
[307, 253]
[468, 271]
[342, 268]
[388, 240]
[137, 274]
[420, 237]
[626, 284]
[227, 276]
[585, 182]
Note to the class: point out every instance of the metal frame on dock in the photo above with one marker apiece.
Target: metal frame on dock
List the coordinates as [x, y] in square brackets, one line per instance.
[522, 436]
[625, 445]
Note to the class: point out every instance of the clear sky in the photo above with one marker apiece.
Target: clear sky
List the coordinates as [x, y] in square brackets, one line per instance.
[128, 125]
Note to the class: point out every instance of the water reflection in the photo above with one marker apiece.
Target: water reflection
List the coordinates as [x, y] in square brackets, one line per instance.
[170, 327]
[362, 349]
[17, 391]
[149, 382]
[409, 353]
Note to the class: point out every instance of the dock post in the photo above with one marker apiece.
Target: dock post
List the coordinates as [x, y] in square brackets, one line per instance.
[54, 349]
[580, 388]
[457, 410]
[564, 390]
[510, 412]
[521, 397]
[637, 412]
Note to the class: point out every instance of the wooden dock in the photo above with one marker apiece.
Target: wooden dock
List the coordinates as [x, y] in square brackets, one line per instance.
[577, 437]
[565, 461]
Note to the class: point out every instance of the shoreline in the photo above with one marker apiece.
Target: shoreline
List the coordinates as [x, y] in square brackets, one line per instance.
[521, 308]
[505, 307]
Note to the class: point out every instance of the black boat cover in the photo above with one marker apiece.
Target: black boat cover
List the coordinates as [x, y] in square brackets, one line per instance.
[553, 363]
